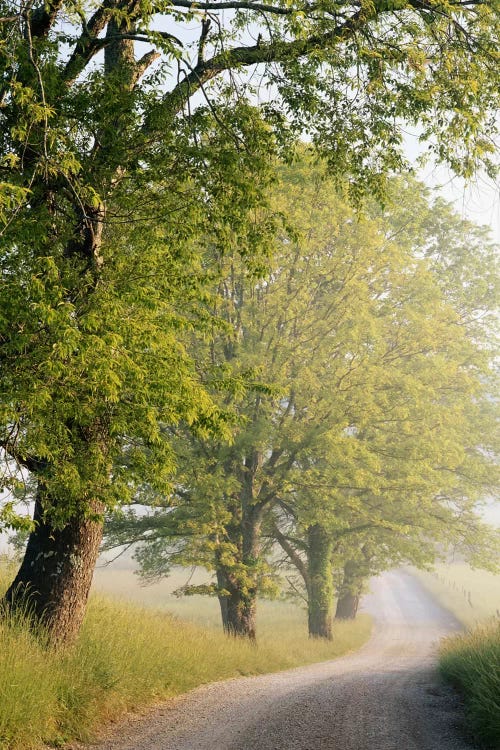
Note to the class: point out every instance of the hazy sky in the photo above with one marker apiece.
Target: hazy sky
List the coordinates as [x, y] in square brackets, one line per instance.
[479, 201]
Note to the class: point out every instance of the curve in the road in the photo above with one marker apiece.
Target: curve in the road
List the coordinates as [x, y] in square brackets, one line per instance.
[387, 696]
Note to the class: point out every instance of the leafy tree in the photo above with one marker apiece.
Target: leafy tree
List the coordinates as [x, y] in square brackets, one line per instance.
[95, 362]
[433, 432]
[335, 562]
[101, 128]
[373, 417]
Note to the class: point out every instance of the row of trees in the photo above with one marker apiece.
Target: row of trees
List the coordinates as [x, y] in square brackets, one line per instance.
[361, 382]
[128, 146]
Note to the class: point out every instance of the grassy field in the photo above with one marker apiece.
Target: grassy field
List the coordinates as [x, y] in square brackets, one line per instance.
[129, 656]
[122, 583]
[471, 661]
[472, 595]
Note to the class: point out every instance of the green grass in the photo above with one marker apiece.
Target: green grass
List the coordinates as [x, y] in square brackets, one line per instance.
[472, 595]
[471, 661]
[128, 657]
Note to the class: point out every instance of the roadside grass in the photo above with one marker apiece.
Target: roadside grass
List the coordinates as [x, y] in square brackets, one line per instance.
[128, 657]
[472, 595]
[471, 661]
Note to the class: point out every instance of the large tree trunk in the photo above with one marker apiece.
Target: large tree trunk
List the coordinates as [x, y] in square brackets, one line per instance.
[238, 605]
[54, 579]
[320, 599]
[239, 582]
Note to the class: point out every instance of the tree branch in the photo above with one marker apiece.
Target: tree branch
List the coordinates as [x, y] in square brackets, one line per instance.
[205, 29]
[85, 47]
[277, 51]
[240, 4]
[143, 64]
[89, 45]
[292, 553]
[43, 17]
[31, 463]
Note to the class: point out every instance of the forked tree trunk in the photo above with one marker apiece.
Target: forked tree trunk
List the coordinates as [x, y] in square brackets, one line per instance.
[238, 604]
[320, 598]
[55, 576]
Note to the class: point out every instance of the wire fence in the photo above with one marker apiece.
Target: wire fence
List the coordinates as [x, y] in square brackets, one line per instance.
[467, 593]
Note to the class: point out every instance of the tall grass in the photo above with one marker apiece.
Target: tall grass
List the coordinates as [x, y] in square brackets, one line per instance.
[127, 657]
[471, 661]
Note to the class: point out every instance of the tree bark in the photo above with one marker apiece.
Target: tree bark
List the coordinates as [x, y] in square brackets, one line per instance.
[241, 613]
[238, 606]
[349, 592]
[320, 599]
[222, 584]
[347, 606]
[54, 579]
[239, 581]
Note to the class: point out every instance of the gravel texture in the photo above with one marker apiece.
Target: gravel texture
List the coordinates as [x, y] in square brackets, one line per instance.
[387, 696]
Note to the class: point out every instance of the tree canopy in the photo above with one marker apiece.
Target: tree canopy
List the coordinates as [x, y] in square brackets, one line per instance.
[368, 422]
[98, 113]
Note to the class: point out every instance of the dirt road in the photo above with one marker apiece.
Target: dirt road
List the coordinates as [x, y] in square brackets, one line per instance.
[387, 696]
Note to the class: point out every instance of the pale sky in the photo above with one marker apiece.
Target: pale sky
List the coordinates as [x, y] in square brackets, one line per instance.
[479, 201]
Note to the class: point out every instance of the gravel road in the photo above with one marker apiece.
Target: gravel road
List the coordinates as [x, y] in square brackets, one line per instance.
[387, 696]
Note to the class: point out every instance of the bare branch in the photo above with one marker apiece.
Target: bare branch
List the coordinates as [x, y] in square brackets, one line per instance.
[205, 29]
[296, 590]
[292, 553]
[239, 4]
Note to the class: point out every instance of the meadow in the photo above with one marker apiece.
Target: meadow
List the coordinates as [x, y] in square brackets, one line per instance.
[119, 582]
[130, 656]
[472, 595]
